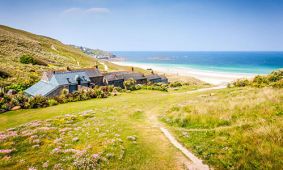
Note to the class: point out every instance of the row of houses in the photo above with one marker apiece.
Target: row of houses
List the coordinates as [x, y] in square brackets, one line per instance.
[53, 82]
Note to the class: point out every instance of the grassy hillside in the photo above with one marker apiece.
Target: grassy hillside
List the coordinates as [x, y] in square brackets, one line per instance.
[48, 54]
[106, 131]
[54, 54]
[233, 128]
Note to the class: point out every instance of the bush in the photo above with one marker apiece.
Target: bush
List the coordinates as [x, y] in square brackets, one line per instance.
[156, 86]
[52, 102]
[176, 84]
[241, 83]
[19, 100]
[275, 76]
[278, 84]
[117, 89]
[26, 59]
[17, 87]
[99, 93]
[274, 79]
[260, 81]
[130, 84]
[7, 102]
[38, 102]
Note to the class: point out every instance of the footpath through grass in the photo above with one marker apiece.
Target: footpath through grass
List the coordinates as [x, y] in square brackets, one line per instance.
[239, 128]
[116, 133]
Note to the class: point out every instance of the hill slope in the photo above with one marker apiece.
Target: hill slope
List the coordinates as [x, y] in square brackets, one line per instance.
[54, 54]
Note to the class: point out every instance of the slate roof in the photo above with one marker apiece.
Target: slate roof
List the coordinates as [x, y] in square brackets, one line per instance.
[91, 72]
[153, 77]
[135, 76]
[123, 75]
[41, 88]
[58, 79]
[64, 78]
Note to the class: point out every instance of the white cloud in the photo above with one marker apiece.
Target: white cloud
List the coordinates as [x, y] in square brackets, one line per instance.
[98, 10]
[86, 11]
[72, 11]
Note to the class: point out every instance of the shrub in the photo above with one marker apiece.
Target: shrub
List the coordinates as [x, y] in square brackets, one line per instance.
[17, 87]
[38, 102]
[118, 89]
[99, 93]
[52, 102]
[154, 86]
[274, 79]
[278, 84]
[241, 83]
[175, 84]
[26, 59]
[260, 81]
[130, 84]
[275, 76]
[7, 102]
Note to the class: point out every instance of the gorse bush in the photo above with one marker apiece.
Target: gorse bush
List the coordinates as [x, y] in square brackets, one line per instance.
[274, 79]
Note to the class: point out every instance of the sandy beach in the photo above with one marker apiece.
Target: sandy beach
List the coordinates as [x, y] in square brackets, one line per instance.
[212, 77]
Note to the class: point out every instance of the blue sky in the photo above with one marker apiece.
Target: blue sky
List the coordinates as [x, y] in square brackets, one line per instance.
[156, 25]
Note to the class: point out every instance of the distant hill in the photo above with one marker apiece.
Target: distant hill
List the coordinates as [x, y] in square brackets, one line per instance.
[47, 52]
[96, 53]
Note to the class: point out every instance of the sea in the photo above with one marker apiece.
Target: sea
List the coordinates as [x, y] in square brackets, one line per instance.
[229, 62]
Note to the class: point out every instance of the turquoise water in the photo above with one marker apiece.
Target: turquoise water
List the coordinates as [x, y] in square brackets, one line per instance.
[236, 62]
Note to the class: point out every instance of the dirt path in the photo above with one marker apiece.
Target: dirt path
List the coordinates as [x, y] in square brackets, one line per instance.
[194, 163]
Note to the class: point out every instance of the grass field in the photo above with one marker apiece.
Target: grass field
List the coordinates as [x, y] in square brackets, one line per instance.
[238, 128]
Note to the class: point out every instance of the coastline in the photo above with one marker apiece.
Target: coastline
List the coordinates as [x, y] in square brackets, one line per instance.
[211, 77]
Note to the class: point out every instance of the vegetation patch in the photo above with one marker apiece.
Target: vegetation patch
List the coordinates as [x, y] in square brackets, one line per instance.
[19, 100]
[26, 59]
[274, 79]
[237, 128]
[60, 143]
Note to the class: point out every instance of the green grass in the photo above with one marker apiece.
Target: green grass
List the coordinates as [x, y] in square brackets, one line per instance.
[121, 115]
[236, 128]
